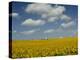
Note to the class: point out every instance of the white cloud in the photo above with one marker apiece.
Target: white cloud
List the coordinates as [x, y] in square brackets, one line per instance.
[44, 16]
[65, 17]
[69, 24]
[49, 31]
[28, 32]
[56, 11]
[45, 10]
[14, 14]
[31, 22]
[48, 13]
[38, 8]
[52, 19]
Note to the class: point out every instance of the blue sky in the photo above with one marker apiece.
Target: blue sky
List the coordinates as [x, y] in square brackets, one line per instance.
[39, 20]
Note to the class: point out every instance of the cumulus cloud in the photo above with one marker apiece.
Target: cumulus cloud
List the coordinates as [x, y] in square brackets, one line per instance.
[31, 22]
[48, 12]
[28, 32]
[14, 14]
[56, 11]
[62, 17]
[45, 9]
[65, 17]
[52, 19]
[49, 31]
[69, 24]
[38, 8]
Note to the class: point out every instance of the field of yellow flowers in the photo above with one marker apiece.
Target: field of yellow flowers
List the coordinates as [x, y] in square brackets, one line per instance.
[43, 48]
